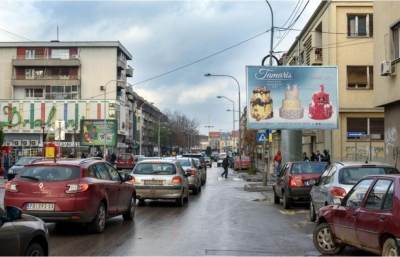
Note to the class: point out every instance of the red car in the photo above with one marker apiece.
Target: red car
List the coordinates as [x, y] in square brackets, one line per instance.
[125, 161]
[86, 191]
[367, 218]
[242, 164]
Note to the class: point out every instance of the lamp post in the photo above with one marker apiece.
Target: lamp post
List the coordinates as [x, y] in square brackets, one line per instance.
[240, 108]
[233, 115]
[104, 89]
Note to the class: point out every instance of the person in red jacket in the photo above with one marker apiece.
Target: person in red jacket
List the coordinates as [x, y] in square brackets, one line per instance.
[277, 162]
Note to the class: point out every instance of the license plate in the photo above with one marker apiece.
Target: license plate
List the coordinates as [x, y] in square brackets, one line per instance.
[154, 182]
[40, 206]
[309, 182]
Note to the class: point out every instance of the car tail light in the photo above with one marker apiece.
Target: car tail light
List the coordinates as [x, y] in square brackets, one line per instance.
[76, 188]
[295, 181]
[177, 180]
[338, 192]
[11, 187]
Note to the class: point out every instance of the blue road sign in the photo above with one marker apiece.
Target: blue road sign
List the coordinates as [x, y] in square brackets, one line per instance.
[262, 136]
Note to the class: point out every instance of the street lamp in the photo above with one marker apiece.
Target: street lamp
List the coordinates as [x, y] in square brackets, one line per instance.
[233, 115]
[240, 108]
[104, 89]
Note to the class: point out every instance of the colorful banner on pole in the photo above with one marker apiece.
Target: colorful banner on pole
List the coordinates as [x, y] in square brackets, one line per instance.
[95, 132]
[292, 97]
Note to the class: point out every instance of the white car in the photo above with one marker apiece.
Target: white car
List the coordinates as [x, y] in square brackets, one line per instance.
[221, 158]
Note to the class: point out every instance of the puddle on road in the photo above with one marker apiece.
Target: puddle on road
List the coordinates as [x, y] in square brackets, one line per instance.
[292, 212]
[236, 252]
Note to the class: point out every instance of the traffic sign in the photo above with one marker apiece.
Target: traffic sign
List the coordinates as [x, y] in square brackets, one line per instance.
[262, 136]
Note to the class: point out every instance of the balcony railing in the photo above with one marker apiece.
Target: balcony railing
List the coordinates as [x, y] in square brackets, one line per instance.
[47, 77]
[46, 57]
[318, 54]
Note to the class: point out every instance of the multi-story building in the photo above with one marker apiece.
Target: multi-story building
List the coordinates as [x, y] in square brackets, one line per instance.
[44, 82]
[386, 72]
[341, 33]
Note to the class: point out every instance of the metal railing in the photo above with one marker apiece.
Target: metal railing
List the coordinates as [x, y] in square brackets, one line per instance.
[46, 57]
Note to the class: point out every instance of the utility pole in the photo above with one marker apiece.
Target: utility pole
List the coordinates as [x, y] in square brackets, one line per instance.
[159, 134]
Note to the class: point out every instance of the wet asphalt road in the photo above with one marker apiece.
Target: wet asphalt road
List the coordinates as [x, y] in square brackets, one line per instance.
[222, 220]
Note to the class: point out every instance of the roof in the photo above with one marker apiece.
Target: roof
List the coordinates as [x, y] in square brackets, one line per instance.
[81, 44]
[73, 162]
[354, 163]
[157, 161]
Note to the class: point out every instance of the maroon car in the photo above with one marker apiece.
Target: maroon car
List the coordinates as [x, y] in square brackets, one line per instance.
[367, 218]
[86, 191]
[295, 181]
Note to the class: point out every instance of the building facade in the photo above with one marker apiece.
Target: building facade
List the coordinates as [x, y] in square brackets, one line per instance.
[386, 72]
[45, 82]
[341, 33]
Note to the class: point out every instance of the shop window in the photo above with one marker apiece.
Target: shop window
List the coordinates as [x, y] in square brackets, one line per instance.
[360, 77]
[364, 128]
[360, 25]
[396, 41]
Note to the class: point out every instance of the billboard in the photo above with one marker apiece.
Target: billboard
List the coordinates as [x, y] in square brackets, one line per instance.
[292, 97]
[93, 132]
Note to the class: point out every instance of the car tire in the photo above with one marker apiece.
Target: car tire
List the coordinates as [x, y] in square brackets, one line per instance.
[141, 202]
[129, 215]
[34, 249]
[180, 201]
[312, 216]
[324, 241]
[199, 189]
[286, 201]
[195, 191]
[390, 248]
[277, 200]
[99, 222]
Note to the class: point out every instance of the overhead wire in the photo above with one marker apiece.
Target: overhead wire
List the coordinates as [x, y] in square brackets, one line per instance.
[15, 34]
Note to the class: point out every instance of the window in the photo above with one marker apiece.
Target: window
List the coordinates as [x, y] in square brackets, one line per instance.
[62, 92]
[388, 203]
[30, 54]
[360, 25]
[364, 128]
[113, 173]
[350, 175]
[101, 172]
[51, 173]
[396, 41]
[60, 53]
[33, 92]
[377, 194]
[327, 177]
[29, 73]
[356, 195]
[360, 77]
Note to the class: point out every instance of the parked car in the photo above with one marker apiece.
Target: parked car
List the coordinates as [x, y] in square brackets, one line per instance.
[202, 169]
[208, 161]
[84, 191]
[221, 158]
[193, 174]
[22, 234]
[13, 171]
[197, 156]
[243, 163]
[337, 180]
[161, 179]
[295, 180]
[125, 161]
[367, 218]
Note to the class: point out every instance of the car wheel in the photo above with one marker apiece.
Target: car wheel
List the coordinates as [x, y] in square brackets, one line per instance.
[129, 215]
[180, 201]
[199, 189]
[324, 240]
[277, 200]
[195, 191]
[99, 222]
[34, 249]
[312, 216]
[141, 202]
[390, 248]
[286, 201]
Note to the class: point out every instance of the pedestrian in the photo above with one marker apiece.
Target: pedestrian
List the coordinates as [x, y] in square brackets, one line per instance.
[6, 165]
[327, 157]
[277, 162]
[313, 157]
[225, 165]
[113, 158]
[319, 156]
[99, 154]
[305, 157]
[83, 155]
[71, 155]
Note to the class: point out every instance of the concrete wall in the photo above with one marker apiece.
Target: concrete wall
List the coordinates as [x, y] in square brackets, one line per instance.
[392, 133]
[98, 66]
[6, 71]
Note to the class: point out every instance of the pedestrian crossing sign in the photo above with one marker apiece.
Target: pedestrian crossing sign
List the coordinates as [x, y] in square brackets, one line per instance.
[262, 136]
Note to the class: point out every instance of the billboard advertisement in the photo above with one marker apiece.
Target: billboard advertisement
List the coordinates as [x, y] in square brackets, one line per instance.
[93, 132]
[292, 97]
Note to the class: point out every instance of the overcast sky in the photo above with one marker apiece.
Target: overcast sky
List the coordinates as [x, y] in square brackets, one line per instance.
[163, 35]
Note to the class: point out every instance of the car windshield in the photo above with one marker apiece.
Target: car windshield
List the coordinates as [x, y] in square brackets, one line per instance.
[50, 173]
[25, 160]
[185, 162]
[207, 158]
[308, 167]
[155, 169]
[351, 175]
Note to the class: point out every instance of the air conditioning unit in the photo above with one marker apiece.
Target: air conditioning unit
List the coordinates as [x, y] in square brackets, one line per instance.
[387, 69]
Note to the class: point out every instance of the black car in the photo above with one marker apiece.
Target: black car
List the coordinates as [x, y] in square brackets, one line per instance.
[22, 234]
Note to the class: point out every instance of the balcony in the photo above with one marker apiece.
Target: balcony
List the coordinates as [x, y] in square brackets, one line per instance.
[121, 63]
[316, 58]
[20, 61]
[129, 71]
[46, 80]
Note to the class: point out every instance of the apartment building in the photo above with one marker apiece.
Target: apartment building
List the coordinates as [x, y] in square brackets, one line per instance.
[386, 72]
[44, 82]
[341, 33]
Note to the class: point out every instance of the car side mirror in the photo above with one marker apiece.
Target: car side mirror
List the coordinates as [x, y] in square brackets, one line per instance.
[13, 213]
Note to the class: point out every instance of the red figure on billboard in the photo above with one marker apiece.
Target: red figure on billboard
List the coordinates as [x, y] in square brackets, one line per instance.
[320, 108]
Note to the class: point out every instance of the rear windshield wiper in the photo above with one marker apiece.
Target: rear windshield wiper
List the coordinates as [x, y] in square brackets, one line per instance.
[30, 177]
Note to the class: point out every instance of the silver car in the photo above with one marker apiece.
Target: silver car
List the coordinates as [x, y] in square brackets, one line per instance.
[13, 171]
[337, 180]
[194, 174]
[161, 179]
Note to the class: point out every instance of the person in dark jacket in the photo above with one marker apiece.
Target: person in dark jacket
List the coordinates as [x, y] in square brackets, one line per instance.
[305, 157]
[326, 157]
[6, 166]
[225, 165]
[313, 157]
[113, 158]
